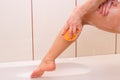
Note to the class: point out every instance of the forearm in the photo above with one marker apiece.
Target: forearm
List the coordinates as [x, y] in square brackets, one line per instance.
[87, 6]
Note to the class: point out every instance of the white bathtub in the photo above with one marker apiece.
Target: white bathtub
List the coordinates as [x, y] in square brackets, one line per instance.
[105, 67]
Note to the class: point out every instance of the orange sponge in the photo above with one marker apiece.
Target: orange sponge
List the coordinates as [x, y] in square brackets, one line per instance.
[72, 38]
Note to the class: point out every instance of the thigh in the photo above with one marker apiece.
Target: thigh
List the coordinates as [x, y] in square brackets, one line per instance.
[108, 23]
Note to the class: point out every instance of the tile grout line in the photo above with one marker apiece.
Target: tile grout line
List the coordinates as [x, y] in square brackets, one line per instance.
[76, 48]
[76, 40]
[32, 24]
[116, 43]
[75, 3]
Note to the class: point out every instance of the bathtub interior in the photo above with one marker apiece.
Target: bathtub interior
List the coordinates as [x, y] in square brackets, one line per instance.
[13, 72]
[90, 68]
[63, 70]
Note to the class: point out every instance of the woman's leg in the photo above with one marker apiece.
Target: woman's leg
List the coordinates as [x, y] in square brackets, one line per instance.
[48, 62]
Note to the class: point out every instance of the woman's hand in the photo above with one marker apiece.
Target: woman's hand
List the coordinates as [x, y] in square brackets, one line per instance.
[73, 24]
[104, 7]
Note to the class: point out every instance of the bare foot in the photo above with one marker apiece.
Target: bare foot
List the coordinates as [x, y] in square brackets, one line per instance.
[44, 66]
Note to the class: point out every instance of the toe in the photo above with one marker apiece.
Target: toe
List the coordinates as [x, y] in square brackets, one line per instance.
[37, 73]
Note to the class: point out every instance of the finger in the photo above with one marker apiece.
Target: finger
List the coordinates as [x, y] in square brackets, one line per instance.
[65, 28]
[74, 30]
[70, 31]
[101, 8]
[79, 28]
[108, 7]
[104, 9]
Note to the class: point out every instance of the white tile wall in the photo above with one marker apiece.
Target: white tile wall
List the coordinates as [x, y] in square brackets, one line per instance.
[95, 42]
[49, 17]
[15, 30]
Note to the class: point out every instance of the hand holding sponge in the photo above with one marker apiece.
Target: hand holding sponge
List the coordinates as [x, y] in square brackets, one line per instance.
[71, 38]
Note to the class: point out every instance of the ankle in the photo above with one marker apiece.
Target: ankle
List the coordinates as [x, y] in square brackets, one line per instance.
[47, 60]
